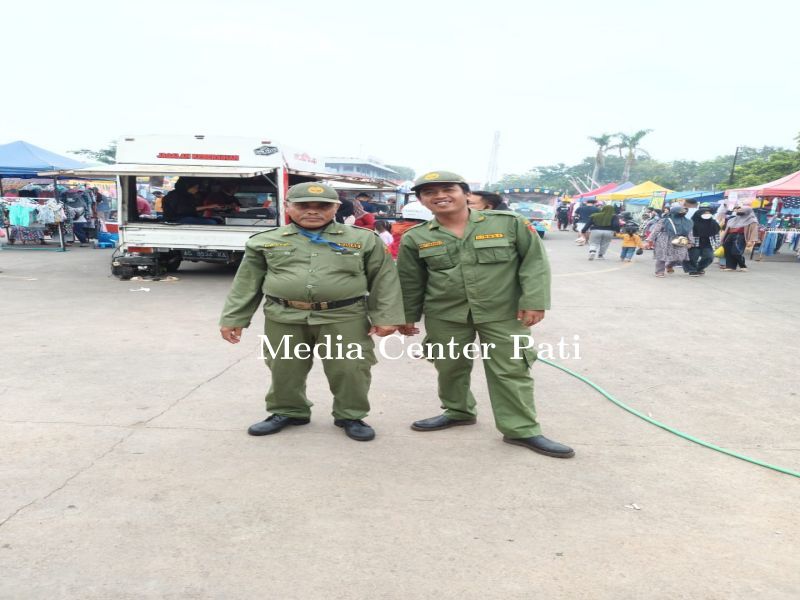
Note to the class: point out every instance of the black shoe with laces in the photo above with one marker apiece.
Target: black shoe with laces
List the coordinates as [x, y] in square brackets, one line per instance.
[356, 429]
[274, 423]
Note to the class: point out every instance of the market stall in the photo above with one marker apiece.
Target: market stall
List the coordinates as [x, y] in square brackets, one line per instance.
[603, 189]
[648, 193]
[698, 195]
[777, 205]
[31, 217]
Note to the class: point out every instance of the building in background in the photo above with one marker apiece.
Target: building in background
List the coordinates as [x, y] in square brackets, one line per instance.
[362, 167]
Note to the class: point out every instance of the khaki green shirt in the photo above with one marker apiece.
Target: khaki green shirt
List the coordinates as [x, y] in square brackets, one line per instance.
[285, 264]
[496, 269]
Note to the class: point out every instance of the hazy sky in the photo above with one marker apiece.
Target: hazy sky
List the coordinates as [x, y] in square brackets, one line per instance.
[423, 84]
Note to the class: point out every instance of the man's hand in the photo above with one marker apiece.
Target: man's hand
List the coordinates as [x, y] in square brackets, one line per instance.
[530, 317]
[231, 334]
[382, 330]
[408, 329]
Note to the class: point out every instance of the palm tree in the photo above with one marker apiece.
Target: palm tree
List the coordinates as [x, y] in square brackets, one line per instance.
[602, 142]
[631, 144]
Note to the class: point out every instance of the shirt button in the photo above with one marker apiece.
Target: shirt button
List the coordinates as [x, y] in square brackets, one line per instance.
[314, 254]
[311, 270]
[309, 286]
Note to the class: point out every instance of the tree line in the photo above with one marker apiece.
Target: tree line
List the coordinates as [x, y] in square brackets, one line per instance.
[620, 157]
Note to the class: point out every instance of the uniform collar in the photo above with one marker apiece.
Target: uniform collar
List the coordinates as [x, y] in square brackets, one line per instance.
[475, 216]
[331, 228]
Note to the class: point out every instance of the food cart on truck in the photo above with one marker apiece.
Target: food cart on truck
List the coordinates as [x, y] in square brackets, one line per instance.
[257, 171]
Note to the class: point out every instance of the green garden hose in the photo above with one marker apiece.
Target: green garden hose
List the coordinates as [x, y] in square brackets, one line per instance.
[652, 421]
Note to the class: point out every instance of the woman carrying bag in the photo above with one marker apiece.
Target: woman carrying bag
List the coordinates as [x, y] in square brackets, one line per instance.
[671, 240]
[740, 235]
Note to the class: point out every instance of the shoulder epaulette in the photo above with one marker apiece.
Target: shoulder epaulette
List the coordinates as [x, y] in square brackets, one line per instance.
[417, 225]
[366, 229]
[265, 231]
[505, 213]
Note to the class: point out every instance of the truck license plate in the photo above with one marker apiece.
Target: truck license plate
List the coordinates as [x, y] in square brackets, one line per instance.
[206, 254]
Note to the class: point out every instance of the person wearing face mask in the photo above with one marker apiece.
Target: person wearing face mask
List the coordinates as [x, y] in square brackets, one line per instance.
[706, 240]
[740, 235]
[666, 237]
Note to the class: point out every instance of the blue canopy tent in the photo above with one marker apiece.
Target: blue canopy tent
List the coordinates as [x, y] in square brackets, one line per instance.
[22, 160]
[700, 196]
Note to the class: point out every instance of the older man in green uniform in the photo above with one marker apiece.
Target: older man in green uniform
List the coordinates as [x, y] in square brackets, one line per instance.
[328, 287]
[483, 273]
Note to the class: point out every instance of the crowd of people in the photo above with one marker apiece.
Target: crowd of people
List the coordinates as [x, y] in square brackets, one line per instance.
[684, 234]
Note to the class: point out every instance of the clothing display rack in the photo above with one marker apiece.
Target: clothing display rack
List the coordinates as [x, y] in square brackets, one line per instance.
[780, 227]
[28, 220]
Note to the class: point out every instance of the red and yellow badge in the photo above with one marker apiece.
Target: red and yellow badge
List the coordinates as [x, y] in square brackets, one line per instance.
[530, 226]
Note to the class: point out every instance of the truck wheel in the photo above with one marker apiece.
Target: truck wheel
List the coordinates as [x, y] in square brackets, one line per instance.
[123, 272]
[173, 265]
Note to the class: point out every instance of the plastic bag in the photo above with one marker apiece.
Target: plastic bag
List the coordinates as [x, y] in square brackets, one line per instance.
[719, 252]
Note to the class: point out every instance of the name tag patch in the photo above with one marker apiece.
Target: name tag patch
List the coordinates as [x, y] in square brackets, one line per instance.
[430, 245]
[276, 245]
[490, 236]
[356, 245]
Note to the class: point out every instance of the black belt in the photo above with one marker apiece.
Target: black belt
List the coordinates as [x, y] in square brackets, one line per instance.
[315, 305]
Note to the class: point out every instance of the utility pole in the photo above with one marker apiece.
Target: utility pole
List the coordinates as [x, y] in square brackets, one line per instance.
[491, 172]
[733, 167]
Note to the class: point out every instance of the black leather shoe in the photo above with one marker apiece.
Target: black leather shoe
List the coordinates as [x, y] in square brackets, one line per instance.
[542, 445]
[274, 423]
[440, 422]
[356, 429]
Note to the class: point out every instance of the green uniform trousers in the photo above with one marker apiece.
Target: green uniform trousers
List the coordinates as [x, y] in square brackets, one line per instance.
[509, 380]
[348, 378]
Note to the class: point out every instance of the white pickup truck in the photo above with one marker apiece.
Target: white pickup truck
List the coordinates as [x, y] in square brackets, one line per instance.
[261, 170]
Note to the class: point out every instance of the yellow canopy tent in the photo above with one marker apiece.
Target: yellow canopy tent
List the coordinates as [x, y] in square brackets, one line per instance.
[643, 190]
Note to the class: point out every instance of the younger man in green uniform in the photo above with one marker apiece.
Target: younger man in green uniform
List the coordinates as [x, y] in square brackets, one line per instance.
[477, 272]
[328, 287]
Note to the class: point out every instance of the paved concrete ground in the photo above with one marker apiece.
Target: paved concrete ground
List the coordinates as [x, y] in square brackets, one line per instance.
[127, 473]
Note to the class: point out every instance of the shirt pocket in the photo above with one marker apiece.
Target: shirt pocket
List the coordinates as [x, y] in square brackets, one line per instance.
[493, 251]
[279, 258]
[437, 258]
[351, 263]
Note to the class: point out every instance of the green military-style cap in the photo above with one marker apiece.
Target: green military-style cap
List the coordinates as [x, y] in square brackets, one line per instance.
[437, 177]
[313, 191]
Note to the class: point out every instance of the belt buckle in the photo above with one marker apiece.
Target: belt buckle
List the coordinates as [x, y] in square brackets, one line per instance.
[323, 306]
[299, 304]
